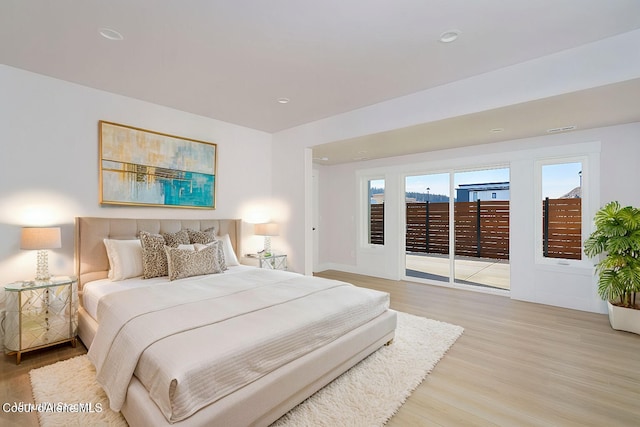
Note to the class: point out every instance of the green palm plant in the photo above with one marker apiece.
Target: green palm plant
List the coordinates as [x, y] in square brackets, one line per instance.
[617, 235]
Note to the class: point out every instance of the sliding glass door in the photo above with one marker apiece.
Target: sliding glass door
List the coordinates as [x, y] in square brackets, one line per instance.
[477, 251]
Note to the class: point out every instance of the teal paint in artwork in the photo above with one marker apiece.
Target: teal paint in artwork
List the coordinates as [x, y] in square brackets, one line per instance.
[194, 189]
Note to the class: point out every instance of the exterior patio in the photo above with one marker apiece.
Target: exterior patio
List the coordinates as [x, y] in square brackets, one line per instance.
[492, 273]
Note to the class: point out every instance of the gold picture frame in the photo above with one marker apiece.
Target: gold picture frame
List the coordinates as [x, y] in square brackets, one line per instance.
[140, 167]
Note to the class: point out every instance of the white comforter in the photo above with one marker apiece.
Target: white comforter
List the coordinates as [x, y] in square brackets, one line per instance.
[193, 341]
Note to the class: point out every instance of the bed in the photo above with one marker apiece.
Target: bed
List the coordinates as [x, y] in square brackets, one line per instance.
[239, 347]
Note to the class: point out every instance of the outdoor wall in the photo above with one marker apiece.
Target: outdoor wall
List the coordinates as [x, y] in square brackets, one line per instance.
[49, 163]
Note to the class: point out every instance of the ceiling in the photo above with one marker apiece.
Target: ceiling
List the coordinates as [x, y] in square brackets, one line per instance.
[233, 60]
[587, 109]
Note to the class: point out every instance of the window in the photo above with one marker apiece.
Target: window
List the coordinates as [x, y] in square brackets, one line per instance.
[376, 212]
[561, 206]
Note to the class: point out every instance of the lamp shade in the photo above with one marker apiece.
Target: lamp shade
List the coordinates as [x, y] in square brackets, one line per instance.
[40, 238]
[266, 229]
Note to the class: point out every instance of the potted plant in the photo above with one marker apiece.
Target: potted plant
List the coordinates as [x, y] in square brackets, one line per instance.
[617, 236]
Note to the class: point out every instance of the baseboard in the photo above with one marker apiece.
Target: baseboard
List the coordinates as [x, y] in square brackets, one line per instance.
[351, 269]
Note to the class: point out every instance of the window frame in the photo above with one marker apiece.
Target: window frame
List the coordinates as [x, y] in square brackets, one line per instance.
[585, 203]
[365, 214]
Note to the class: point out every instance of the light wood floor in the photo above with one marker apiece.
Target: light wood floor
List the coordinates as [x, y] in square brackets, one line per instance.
[15, 386]
[517, 364]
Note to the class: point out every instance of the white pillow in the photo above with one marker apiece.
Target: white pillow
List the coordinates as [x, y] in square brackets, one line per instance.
[229, 255]
[125, 258]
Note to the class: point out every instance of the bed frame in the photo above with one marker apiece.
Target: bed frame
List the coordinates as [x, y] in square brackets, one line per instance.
[257, 404]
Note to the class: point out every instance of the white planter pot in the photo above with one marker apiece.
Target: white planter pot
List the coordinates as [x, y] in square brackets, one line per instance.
[624, 319]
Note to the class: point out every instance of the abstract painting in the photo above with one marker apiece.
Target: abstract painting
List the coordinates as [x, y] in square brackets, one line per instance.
[142, 167]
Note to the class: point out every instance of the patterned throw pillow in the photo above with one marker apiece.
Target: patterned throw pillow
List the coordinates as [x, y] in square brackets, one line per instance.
[202, 237]
[186, 263]
[220, 254]
[219, 247]
[154, 257]
[176, 239]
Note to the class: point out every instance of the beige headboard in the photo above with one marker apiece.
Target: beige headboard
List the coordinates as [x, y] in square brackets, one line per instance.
[91, 256]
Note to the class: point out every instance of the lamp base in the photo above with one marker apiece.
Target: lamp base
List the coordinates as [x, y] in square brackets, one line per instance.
[42, 271]
[267, 246]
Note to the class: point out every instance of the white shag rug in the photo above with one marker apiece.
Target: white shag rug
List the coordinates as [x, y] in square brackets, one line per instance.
[366, 395]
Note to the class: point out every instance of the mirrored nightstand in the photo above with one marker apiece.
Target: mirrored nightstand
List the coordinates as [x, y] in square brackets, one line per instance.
[40, 314]
[271, 262]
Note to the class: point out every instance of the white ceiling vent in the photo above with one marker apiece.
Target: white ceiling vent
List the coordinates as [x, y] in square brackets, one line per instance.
[562, 129]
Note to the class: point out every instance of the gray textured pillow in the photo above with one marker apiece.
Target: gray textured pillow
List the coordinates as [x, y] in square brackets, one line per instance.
[219, 246]
[176, 239]
[154, 257]
[186, 263]
[202, 237]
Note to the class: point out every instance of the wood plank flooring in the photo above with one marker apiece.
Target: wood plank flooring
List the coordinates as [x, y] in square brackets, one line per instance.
[517, 364]
[15, 386]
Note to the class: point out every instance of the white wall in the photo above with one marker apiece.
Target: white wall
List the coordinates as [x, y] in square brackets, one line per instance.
[49, 163]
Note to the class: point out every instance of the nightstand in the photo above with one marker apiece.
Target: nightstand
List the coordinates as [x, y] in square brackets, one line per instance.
[271, 262]
[40, 314]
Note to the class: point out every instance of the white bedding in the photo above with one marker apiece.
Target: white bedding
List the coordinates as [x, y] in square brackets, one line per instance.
[93, 291]
[244, 324]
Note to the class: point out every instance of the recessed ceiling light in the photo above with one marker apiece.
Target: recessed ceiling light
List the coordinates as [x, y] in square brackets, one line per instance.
[497, 130]
[449, 36]
[111, 34]
[283, 100]
[324, 159]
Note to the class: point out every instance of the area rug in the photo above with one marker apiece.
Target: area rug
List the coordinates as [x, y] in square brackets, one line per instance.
[366, 395]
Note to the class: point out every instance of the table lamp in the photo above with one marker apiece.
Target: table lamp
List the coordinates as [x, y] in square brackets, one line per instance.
[41, 239]
[267, 230]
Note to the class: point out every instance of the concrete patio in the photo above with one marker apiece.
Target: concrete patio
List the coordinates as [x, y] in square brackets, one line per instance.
[474, 271]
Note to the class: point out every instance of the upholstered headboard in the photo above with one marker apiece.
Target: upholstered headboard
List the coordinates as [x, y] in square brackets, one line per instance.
[91, 256]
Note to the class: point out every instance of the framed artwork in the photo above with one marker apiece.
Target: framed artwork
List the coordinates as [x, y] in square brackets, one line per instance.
[145, 168]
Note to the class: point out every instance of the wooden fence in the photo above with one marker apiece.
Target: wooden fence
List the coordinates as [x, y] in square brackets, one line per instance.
[376, 224]
[562, 228]
[427, 228]
[482, 228]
